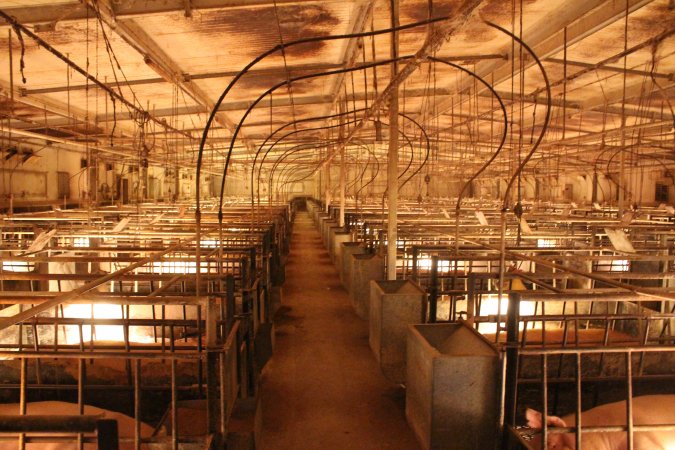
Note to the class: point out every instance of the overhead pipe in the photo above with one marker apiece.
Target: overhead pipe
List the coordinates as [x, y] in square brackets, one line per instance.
[271, 90]
[518, 207]
[494, 155]
[310, 146]
[257, 153]
[325, 127]
[18, 26]
[271, 51]
[428, 147]
[433, 41]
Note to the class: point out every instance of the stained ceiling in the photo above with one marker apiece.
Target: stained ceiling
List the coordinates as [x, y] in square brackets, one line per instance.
[157, 67]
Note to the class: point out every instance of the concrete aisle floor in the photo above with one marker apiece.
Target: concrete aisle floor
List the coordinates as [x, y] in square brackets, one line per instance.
[323, 389]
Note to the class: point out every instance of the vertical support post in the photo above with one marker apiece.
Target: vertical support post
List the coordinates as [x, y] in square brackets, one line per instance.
[327, 188]
[622, 170]
[510, 388]
[392, 163]
[23, 370]
[174, 406]
[81, 373]
[415, 253]
[433, 294]
[137, 404]
[471, 298]
[578, 386]
[622, 173]
[629, 400]
[229, 281]
[343, 170]
[212, 410]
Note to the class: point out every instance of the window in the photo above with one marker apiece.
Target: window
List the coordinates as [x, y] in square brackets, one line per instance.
[661, 192]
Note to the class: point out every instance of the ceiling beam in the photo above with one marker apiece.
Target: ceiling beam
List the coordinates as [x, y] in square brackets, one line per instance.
[360, 18]
[546, 37]
[608, 68]
[188, 77]
[68, 114]
[277, 101]
[129, 9]
[160, 61]
[265, 72]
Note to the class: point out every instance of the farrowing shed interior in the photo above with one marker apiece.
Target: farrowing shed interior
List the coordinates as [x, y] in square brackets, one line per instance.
[337, 224]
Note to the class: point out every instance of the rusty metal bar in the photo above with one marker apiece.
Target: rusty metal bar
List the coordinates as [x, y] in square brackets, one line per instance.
[174, 407]
[48, 423]
[629, 400]
[8, 321]
[137, 404]
[595, 350]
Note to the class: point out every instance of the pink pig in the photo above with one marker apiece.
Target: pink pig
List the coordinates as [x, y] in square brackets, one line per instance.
[647, 410]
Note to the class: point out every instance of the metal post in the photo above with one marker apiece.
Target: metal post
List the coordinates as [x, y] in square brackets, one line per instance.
[511, 378]
[343, 170]
[471, 297]
[415, 252]
[433, 291]
[629, 400]
[392, 164]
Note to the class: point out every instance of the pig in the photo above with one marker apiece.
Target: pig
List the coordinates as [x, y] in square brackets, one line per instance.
[125, 424]
[647, 410]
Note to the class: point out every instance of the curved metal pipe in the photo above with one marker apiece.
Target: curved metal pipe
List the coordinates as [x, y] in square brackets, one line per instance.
[277, 86]
[321, 128]
[363, 172]
[377, 171]
[547, 118]
[502, 260]
[494, 155]
[504, 134]
[295, 122]
[273, 50]
[267, 152]
[426, 158]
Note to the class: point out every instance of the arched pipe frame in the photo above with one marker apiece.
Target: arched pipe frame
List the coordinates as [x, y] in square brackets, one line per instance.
[313, 147]
[519, 169]
[361, 67]
[216, 107]
[409, 143]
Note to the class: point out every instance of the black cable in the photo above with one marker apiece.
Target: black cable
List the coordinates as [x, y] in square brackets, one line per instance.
[270, 52]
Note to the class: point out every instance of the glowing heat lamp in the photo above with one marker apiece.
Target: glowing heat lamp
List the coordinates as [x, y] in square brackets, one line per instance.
[614, 265]
[546, 243]
[108, 333]
[443, 266]
[174, 267]
[81, 242]
[424, 263]
[621, 265]
[490, 307]
[177, 267]
[17, 266]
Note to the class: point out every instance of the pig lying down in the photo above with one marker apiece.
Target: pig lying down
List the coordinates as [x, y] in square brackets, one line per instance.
[647, 410]
[125, 424]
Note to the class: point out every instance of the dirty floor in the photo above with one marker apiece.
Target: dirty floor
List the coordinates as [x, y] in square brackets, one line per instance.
[323, 388]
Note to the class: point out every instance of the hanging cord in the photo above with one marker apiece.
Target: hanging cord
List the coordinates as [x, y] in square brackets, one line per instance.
[22, 64]
[283, 55]
[662, 92]
[112, 57]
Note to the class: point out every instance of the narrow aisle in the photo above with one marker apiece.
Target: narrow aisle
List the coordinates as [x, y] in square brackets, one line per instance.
[323, 389]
